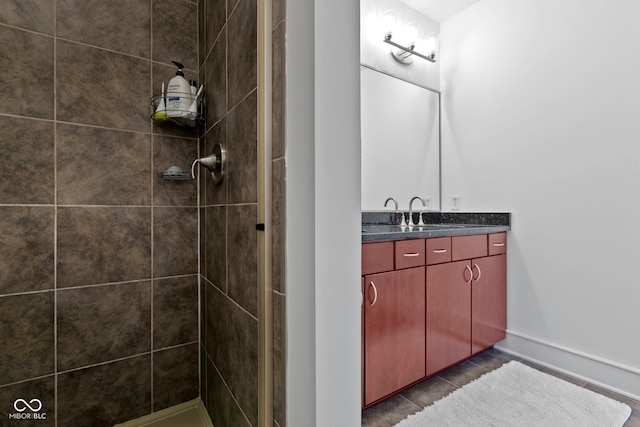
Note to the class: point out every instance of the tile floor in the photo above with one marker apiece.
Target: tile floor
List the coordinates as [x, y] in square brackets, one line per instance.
[392, 411]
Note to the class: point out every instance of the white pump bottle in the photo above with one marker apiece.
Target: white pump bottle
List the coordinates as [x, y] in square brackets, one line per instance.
[179, 96]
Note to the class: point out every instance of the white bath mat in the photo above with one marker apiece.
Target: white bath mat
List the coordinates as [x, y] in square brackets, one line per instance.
[518, 395]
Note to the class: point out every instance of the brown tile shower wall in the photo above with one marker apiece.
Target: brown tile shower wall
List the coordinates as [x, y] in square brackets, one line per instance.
[229, 244]
[98, 255]
[278, 217]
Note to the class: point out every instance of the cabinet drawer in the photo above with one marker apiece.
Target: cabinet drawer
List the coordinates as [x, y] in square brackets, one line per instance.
[438, 250]
[409, 253]
[497, 243]
[377, 257]
[467, 247]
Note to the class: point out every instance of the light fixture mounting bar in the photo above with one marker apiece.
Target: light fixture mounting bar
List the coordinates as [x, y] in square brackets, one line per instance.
[409, 50]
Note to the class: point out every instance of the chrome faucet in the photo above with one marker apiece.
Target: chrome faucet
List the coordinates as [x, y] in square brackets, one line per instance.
[391, 199]
[395, 202]
[424, 203]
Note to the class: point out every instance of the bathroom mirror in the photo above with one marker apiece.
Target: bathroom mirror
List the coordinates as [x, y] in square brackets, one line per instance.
[400, 141]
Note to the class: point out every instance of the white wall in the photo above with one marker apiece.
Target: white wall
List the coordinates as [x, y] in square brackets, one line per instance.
[300, 245]
[375, 53]
[323, 213]
[541, 117]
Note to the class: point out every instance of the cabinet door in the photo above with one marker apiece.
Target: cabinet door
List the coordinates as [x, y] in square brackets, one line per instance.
[362, 343]
[377, 257]
[448, 314]
[394, 331]
[489, 301]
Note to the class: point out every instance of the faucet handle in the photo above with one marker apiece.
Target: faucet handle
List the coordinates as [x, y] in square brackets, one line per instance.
[402, 222]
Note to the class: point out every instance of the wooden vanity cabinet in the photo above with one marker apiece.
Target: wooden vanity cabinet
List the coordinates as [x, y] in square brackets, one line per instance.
[448, 315]
[489, 292]
[362, 343]
[394, 318]
[466, 301]
[394, 333]
[428, 304]
[488, 302]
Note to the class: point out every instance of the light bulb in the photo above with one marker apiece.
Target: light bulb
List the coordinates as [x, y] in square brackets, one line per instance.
[411, 33]
[389, 21]
[431, 44]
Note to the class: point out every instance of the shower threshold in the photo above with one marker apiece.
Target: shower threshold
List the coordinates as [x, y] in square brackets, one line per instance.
[192, 414]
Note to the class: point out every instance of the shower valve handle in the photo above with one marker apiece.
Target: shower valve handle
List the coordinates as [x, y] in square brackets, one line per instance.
[215, 162]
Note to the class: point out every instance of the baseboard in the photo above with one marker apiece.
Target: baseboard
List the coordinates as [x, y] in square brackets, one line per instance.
[604, 373]
[170, 412]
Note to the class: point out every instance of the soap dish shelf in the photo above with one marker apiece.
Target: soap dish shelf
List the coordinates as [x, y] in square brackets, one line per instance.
[184, 176]
[176, 175]
[178, 117]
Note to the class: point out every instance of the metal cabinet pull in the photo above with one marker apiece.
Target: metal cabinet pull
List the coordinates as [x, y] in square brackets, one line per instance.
[479, 272]
[498, 244]
[466, 267]
[375, 294]
[439, 251]
[412, 254]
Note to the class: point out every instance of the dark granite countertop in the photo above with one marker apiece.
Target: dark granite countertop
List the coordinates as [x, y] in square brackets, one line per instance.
[383, 226]
[379, 233]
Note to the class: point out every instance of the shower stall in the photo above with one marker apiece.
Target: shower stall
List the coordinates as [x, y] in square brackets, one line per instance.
[123, 293]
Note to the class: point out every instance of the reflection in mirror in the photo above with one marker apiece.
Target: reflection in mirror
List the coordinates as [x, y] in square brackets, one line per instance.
[400, 128]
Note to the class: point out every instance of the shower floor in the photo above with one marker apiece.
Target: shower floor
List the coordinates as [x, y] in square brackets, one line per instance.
[189, 414]
[190, 417]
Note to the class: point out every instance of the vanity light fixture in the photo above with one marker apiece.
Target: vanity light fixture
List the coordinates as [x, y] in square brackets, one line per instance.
[404, 53]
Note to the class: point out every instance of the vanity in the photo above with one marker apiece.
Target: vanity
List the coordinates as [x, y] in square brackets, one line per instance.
[433, 295]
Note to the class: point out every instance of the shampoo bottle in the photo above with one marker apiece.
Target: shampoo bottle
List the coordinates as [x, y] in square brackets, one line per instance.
[161, 110]
[193, 109]
[194, 90]
[179, 96]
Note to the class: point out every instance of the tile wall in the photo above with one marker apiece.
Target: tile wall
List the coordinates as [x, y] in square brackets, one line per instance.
[98, 255]
[229, 244]
[278, 213]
